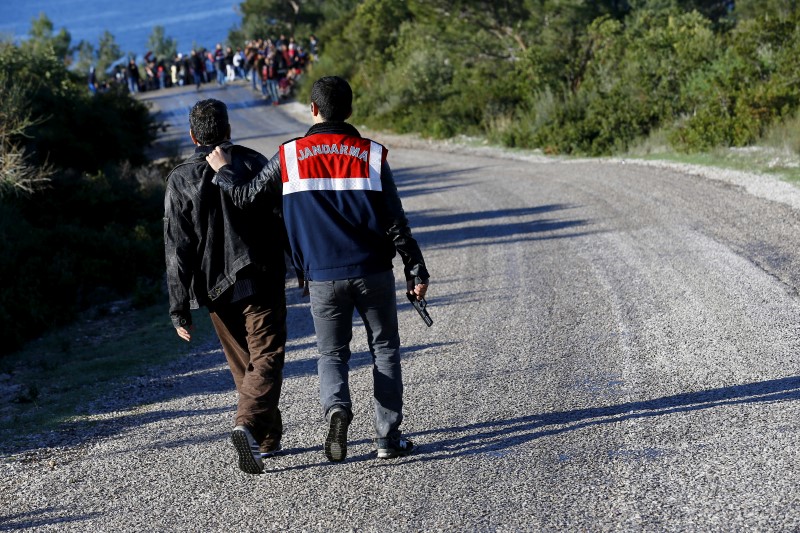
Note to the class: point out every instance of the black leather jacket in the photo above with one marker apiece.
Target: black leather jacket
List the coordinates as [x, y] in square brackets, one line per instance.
[269, 181]
[208, 240]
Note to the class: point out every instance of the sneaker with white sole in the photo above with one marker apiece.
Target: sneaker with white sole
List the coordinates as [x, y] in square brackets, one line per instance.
[391, 448]
[250, 460]
[336, 440]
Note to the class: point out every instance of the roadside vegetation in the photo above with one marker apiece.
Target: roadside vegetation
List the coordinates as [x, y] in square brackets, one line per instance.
[80, 207]
[81, 229]
[675, 78]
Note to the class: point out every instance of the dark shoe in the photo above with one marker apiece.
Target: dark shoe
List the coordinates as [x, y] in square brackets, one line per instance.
[391, 448]
[336, 440]
[249, 454]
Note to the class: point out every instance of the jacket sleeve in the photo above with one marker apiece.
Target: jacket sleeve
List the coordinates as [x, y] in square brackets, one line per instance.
[399, 232]
[268, 181]
[178, 249]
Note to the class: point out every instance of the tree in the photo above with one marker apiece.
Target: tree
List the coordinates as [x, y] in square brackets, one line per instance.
[568, 76]
[101, 58]
[41, 38]
[61, 45]
[262, 18]
[41, 31]
[92, 228]
[749, 9]
[163, 47]
[86, 57]
[18, 174]
[108, 52]
[719, 12]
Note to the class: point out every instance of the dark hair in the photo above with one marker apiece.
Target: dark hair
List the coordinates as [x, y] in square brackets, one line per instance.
[208, 121]
[334, 97]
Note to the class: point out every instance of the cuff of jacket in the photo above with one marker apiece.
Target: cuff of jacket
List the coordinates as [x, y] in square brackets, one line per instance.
[181, 320]
[418, 273]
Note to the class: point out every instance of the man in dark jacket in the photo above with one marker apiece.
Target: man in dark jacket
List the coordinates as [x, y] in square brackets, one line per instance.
[133, 76]
[345, 224]
[197, 68]
[231, 261]
[219, 64]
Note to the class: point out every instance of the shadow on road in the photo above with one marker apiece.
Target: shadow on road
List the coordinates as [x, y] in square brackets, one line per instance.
[199, 374]
[416, 181]
[466, 229]
[461, 237]
[498, 438]
[446, 219]
[42, 518]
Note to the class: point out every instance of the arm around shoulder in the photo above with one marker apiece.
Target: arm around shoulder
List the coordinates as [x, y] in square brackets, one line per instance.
[233, 180]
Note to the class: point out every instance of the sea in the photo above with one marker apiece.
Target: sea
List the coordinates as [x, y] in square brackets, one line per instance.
[191, 23]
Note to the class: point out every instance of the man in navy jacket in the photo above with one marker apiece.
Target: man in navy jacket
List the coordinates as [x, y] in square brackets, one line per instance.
[345, 223]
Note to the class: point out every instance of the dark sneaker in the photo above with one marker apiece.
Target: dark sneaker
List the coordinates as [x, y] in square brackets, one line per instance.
[249, 454]
[391, 448]
[336, 440]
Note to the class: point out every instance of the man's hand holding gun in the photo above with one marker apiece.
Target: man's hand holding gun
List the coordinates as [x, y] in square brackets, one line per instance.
[416, 295]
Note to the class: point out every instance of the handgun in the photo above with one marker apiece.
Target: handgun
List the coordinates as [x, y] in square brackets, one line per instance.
[420, 305]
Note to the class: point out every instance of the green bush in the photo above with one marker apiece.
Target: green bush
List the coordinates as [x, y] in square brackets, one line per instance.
[631, 84]
[568, 76]
[94, 232]
[86, 240]
[753, 84]
[74, 129]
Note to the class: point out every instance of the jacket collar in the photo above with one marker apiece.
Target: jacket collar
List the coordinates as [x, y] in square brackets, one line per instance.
[200, 152]
[333, 127]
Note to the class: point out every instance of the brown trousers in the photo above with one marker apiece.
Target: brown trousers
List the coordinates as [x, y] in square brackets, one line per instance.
[253, 337]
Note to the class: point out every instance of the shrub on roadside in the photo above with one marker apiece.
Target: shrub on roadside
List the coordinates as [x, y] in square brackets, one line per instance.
[568, 76]
[92, 230]
[88, 239]
[734, 100]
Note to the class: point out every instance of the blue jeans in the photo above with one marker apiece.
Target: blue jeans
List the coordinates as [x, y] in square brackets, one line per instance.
[332, 306]
[272, 89]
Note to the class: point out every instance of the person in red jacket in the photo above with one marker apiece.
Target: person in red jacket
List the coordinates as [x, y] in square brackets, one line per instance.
[345, 223]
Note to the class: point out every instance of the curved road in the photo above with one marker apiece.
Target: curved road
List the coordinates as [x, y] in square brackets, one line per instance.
[615, 348]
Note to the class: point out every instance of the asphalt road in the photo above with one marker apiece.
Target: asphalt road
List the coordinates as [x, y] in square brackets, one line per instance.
[615, 348]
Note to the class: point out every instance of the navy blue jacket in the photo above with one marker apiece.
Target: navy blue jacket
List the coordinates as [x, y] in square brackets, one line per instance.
[336, 234]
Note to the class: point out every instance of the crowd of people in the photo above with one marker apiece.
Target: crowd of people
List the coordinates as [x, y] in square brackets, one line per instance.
[273, 66]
